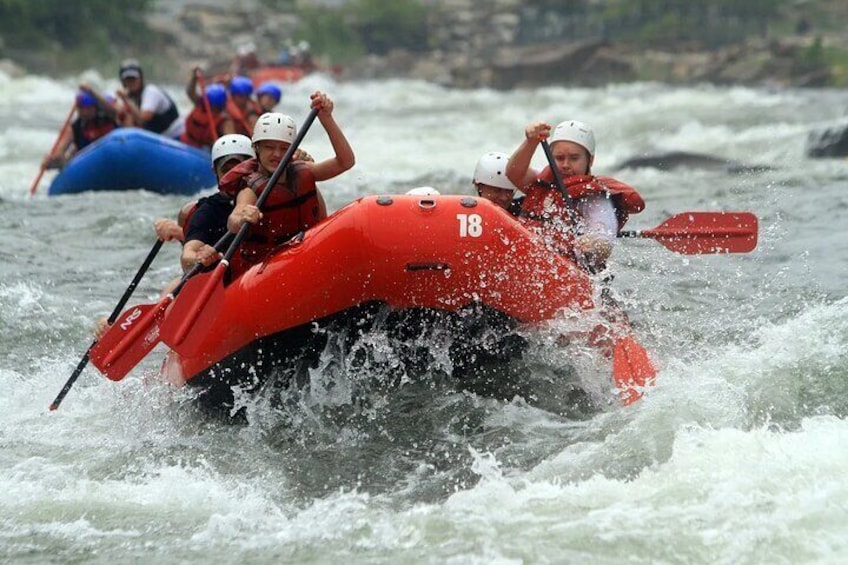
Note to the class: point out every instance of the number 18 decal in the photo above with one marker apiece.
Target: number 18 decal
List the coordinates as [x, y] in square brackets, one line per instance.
[470, 225]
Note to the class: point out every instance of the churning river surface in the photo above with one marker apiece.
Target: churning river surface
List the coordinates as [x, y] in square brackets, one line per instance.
[737, 455]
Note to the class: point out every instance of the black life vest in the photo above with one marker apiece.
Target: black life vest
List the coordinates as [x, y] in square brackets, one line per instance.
[162, 121]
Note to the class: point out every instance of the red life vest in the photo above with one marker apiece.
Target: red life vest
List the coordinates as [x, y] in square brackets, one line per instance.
[89, 131]
[293, 205]
[197, 131]
[546, 212]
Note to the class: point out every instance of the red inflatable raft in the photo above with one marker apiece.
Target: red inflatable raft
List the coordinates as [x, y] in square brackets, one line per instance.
[277, 73]
[407, 266]
[447, 254]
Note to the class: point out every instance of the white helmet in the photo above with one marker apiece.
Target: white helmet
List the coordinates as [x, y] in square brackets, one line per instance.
[232, 144]
[274, 126]
[576, 132]
[423, 191]
[491, 170]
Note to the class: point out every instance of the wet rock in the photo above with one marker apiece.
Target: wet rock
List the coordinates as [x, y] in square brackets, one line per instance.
[681, 159]
[832, 142]
[12, 69]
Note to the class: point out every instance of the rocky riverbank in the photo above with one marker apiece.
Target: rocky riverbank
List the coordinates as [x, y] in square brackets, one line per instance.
[480, 45]
[596, 63]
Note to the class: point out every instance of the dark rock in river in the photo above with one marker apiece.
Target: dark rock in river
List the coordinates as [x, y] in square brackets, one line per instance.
[681, 159]
[832, 142]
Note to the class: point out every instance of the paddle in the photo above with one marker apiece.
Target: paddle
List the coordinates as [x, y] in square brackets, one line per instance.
[206, 107]
[121, 348]
[37, 178]
[126, 343]
[569, 203]
[112, 317]
[631, 367]
[691, 233]
[237, 114]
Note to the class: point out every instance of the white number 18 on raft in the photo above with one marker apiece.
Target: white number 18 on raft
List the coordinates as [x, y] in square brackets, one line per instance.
[470, 225]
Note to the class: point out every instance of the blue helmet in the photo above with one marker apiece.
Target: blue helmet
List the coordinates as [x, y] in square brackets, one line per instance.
[271, 89]
[241, 85]
[86, 99]
[216, 94]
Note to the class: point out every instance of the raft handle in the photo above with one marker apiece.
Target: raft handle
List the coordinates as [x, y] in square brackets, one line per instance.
[413, 267]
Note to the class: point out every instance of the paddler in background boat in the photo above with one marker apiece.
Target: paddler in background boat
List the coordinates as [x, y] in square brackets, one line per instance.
[302, 56]
[295, 203]
[268, 95]
[600, 205]
[198, 131]
[491, 182]
[241, 107]
[148, 105]
[246, 59]
[95, 118]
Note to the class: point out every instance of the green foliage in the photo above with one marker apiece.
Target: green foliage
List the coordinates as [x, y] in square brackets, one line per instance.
[713, 22]
[837, 61]
[383, 26]
[279, 5]
[328, 34]
[365, 26]
[649, 21]
[71, 24]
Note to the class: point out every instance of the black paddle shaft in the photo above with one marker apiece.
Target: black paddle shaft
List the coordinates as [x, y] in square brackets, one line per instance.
[112, 317]
[266, 192]
[569, 203]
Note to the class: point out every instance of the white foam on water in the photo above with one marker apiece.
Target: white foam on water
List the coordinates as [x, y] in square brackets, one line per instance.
[734, 456]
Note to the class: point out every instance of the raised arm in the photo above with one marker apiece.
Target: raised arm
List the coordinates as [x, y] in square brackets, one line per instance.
[131, 108]
[107, 106]
[191, 87]
[344, 158]
[518, 169]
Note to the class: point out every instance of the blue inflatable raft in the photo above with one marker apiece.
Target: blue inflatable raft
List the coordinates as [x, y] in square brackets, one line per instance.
[132, 158]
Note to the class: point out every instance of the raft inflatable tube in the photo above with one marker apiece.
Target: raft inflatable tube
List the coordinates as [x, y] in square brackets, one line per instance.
[132, 159]
[276, 73]
[406, 253]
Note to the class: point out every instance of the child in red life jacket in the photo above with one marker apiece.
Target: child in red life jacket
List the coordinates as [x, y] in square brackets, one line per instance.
[599, 206]
[208, 120]
[268, 95]
[294, 203]
[242, 107]
[95, 118]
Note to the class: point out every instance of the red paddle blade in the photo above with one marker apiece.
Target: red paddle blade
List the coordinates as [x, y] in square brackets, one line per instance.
[195, 308]
[632, 369]
[133, 335]
[692, 233]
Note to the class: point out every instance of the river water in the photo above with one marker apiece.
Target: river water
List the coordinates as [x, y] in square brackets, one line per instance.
[737, 455]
